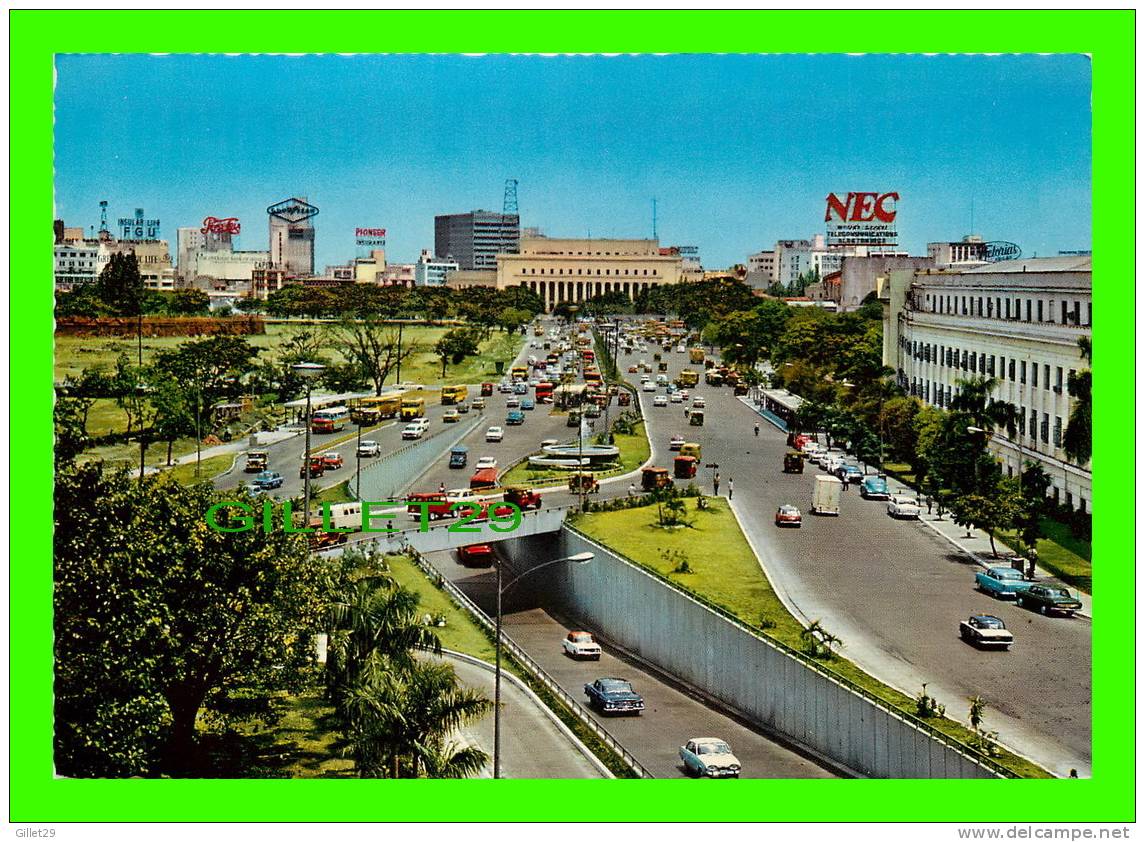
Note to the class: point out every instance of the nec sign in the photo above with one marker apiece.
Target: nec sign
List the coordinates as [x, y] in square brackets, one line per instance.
[862, 207]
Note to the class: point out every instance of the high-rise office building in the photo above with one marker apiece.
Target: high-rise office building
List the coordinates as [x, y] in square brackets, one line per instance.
[475, 239]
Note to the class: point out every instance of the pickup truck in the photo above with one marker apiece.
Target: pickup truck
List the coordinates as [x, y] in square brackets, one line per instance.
[438, 506]
[524, 498]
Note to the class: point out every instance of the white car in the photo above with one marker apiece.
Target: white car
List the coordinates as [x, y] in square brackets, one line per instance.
[644, 378]
[413, 431]
[513, 403]
[834, 462]
[660, 400]
[902, 506]
[580, 644]
[675, 397]
[648, 386]
[684, 394]
[368, 447]
[709, 757]
[494, 434]
[676, 442]
[698, 403]
[486, 462]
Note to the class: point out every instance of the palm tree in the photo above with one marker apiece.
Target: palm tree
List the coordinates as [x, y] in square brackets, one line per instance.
[1078, 438]
[975, 400]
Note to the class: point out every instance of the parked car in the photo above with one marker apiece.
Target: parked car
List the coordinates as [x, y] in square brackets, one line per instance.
[709, 757]
[788, 516]
[515, 418]
[332, 461]
[1049, 599]
[368, 447]
[676, 442]
[580, 644]
[985, 630]
[476, 555]
[851, 474]
[494, 434]
[874, 488]
[268, 480]
[527, 404]
[486, 462]
[451, 416]
[614, 695]
[902, 506]
[1001, 582]
[660, 400]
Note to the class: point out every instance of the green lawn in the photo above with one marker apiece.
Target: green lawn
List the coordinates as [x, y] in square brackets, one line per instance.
[726, 572]
[1065, 556]
[209, 468]
[634, 452]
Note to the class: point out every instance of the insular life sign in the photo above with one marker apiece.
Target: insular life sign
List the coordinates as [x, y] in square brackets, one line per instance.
[138, 228]
[862, 219]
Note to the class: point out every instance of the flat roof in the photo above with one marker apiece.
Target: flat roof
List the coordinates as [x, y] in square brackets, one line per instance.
[1064, 263]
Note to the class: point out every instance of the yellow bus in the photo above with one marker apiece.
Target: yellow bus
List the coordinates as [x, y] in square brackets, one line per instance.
[453, 394]
[372, 410]
[688, 378]
[520, 372]
[413, 408]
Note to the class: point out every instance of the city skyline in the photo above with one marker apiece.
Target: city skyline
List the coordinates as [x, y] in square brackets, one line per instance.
[739, 151]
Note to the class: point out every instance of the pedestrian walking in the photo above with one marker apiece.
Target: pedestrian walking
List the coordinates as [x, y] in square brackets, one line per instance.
[1031, 563]
[716, 485]
[929, 503]
[757, 429]
[731, 487]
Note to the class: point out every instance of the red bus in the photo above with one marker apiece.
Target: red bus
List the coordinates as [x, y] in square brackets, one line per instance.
[544, 392]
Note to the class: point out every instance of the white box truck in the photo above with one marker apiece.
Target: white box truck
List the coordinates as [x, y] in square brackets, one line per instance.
[826, 495]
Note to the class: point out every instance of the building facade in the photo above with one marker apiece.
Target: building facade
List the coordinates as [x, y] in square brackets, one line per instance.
[968, 253]
[80, 261]
[291, 243]
[1017, 321]
[430, 271]
[475, 239]
[576, 270]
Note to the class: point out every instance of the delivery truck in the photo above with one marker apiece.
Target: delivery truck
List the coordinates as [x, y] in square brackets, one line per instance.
[826, 495]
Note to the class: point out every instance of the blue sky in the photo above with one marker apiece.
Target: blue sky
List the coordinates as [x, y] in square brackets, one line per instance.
[738, 150]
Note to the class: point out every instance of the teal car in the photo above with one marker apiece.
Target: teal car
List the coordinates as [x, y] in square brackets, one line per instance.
[515, 417]
[709, 757]
[874, 488]
[1001, 582]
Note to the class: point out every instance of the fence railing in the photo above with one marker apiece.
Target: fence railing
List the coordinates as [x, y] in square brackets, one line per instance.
[532, 667]
[915, 722]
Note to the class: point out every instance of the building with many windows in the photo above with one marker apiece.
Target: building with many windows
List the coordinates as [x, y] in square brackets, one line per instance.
[1017, 321]
[576, 270]
[475, 239]
[430, 271]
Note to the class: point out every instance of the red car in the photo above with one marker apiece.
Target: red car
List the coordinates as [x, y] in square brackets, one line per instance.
[788, 516]
[317, 468]
[476, 555]
[332, 461]
[439, 506]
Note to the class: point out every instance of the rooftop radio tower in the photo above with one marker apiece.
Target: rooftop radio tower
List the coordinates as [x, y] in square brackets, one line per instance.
[509, 208]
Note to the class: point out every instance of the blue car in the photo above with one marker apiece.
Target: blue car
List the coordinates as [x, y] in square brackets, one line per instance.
[520, 388]
[527, 403]
[874, 488]
[614, 695]
[515, 418]
[268, 480]
[1001, 582]
[850, 473]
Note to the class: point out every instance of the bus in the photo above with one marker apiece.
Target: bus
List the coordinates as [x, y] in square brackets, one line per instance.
[413, 408]
[453, 394]
[371, 410]
[588, 356]
[330, 420]
[520, 372]
[592, 377]
[544, 392]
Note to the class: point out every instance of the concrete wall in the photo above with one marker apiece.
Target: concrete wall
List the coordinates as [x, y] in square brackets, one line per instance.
[747, 673]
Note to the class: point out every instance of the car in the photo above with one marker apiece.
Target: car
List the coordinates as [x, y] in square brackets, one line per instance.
[850, 473]
[632, 369]
[592, 411]
[332, 461]
[709, 757]
[676, 442]
[527, 404]
[832, 463]
[985, 630]
[660, 400]
[256, 462]
[520, 389]
[523, 498]
[1049, 599]
[412, 431]
[684, 394]
[698, 403]
[788, 516]
[494, 434]
[515, 418]
[648, 386]
[1001, 582]
[486, 462]
[676, 397]
[451, 416]
[513, 403]
[614, 695]
[478, 403]
[874, 488]
[505, 388]
[644, 378]
[253, 488]
[476, 555]
[368, 447]
[463, 408]
[901, 506]
[580, 644]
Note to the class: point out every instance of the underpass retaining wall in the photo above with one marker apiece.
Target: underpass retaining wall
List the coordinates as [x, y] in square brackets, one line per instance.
[759, 679]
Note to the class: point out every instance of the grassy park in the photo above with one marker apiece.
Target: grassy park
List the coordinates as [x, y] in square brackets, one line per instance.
[712, 559]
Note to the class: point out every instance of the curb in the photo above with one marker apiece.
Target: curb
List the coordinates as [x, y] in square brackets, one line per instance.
[566, 732]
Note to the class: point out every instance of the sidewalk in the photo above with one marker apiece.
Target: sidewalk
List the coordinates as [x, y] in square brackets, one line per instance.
[974, 542]
[236, 446]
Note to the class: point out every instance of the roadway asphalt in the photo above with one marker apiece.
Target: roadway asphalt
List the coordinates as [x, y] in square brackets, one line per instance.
[532, 745]
[894, 591]
[671, 716]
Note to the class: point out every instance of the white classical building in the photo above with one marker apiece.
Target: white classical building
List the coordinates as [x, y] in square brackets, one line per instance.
[1019, 322]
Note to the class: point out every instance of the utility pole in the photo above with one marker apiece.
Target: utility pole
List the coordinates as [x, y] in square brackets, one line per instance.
[654, 234]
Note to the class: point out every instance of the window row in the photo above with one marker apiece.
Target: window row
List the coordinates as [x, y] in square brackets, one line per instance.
[1019, 371]
[635, 272]
[1049, 310]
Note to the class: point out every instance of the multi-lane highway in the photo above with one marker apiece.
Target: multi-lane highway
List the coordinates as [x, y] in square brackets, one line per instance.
[894, 591]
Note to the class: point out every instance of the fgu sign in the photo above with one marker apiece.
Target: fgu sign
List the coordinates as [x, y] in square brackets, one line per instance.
[862, 219]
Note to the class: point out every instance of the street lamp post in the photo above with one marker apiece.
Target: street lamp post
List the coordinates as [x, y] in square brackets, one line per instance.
[579, 558]
[307, 371]
[358, 458]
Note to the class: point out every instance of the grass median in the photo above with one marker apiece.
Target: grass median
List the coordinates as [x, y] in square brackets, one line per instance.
[713, 560]
[634, 452]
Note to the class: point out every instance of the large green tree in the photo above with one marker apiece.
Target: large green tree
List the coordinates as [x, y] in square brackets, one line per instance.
[372, 345]
[120, 286]
[159, 618]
